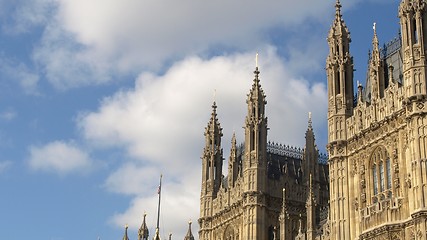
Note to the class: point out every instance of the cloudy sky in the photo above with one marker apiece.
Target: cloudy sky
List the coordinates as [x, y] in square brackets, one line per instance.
[98, 98]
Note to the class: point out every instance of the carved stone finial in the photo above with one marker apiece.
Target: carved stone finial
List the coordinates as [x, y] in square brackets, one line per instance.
[338, 8]
[256, 60]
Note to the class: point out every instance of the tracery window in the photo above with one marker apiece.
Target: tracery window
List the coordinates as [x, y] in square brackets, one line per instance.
[229, 233]
[380, 175]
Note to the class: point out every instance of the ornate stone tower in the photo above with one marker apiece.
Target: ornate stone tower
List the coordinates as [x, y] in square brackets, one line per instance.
[255, 162]
[378, 143]
[413, 20]
[211, 167]
[339, 70]
[413, 24]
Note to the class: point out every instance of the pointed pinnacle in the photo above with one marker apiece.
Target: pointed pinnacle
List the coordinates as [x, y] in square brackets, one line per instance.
[338, 8]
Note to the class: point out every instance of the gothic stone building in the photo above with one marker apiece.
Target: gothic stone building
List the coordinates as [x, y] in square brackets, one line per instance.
[377, 142]
[377, 145]
[270, 189]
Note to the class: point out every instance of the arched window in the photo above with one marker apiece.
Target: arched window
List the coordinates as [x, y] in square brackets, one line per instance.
[381, 178]
[338, 82]
[229, 233]
[415, 32]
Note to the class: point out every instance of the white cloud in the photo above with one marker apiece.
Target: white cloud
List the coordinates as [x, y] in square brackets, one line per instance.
[93, 42]
[67, 63]
[4, 165]
[59, 157]
[161, 122]
[132, 179]
[153, 31]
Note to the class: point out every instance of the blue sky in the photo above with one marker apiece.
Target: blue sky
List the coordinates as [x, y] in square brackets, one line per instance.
[98, 98]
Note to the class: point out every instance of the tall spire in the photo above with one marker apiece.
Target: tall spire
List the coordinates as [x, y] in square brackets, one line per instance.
[212, 161]
[339, 24]
[256, 94]
[338, 10]
[376, 70]
[233, 165]
[143, 230]
[339, 69]
[214, 127]
[189, 235]
[212, 155]
[256, 111]
[125, 237]
[375, 45]
[311, 153]
[255, 161]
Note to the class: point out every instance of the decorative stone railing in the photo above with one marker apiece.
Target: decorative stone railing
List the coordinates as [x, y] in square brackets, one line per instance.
[285, 150]
[294, 152]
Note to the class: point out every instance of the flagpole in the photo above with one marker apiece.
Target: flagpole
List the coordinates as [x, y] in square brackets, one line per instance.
[158, 207]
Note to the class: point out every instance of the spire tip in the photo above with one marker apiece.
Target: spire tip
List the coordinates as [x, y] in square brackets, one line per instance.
[256, 60]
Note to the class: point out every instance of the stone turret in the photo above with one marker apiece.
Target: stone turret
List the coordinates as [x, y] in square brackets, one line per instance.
[339, 69]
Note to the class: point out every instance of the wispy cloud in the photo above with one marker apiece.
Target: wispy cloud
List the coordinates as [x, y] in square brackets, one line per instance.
[4, 165]
[15, 71]
[8, 115]
[20, 16]
[59, 157]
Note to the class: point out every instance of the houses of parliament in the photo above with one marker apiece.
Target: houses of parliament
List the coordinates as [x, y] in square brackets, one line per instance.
[373, 182]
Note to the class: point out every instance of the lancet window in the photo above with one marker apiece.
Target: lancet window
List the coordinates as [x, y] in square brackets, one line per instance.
[381, 178]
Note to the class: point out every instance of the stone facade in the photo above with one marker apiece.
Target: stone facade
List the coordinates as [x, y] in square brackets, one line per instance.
[375, 183]
[377, 142]
[271, 191]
